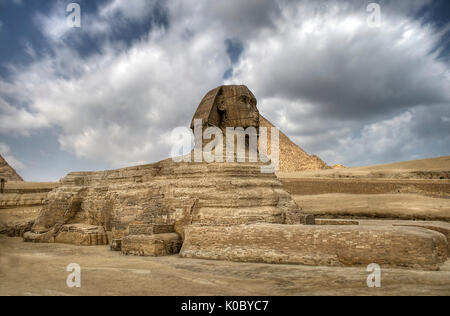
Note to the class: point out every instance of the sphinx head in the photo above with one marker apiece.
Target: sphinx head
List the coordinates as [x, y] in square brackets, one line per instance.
[228, 106]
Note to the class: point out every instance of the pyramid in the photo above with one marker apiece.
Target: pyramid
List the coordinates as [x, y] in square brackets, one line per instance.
[7, 172]
[292, 157]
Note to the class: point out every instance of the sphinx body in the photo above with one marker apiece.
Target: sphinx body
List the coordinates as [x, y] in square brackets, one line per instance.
[168, 196]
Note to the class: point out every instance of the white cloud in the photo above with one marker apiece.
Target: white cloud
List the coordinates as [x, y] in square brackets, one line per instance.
[407, 136]
[325, 75]
[379, 138]
[319, 72]
[18, 120]
[115, 106]
[345, 67]
[54, 25]
[136, 9]
[5, 152]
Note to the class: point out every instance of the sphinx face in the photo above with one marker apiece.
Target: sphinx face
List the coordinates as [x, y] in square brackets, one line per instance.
[239, 110]
[228, 106]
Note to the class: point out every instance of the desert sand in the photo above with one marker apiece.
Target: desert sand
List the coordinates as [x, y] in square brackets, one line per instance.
[399, 194]
[383, 206]
[433, 168]
[40, 269]
[413, 190]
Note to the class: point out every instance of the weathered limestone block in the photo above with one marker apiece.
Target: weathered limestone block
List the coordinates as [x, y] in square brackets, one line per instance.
[62, 208]
[20, 204]
[17, 229]
[167, 195]
[149, 229]
[10, 200]
[82, 235]
[151, 245]
[48, 237]
[443, 228]
[318, 245]
[74, 234]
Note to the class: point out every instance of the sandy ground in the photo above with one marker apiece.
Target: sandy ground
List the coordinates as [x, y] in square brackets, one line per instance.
[40, 269]
[439, 163]
[402, 206]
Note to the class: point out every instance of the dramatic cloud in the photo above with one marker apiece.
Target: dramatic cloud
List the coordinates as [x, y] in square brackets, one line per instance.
[325, 75]
[131, 10]
[115, 106]
[343, 66]
[351, 93]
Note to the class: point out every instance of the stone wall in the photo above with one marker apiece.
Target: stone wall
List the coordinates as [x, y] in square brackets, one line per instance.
[434, 188]
[318, 245]
[24, 194]
[20, 205]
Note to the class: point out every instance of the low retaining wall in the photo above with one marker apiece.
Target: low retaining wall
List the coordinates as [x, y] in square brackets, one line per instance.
[318, 245]
[20, 204]
[311, 186]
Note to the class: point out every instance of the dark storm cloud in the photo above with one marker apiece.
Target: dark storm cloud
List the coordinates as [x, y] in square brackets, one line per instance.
[349, 70]
[112, 92]
[349, 92]
[244, 18]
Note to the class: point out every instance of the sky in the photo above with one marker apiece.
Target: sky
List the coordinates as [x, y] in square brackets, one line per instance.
[109, 93]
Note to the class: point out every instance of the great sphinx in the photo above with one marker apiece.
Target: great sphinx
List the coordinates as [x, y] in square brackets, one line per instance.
[228, 106]
[231, 113]
[220, 210]
[166, 197]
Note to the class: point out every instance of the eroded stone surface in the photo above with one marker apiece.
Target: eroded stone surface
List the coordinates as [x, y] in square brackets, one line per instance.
[16, 229]
[151, 245]
[73, 234]
[20, 205]
[82, 235]
[443, 228]
[318, 245]
[168, 193]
